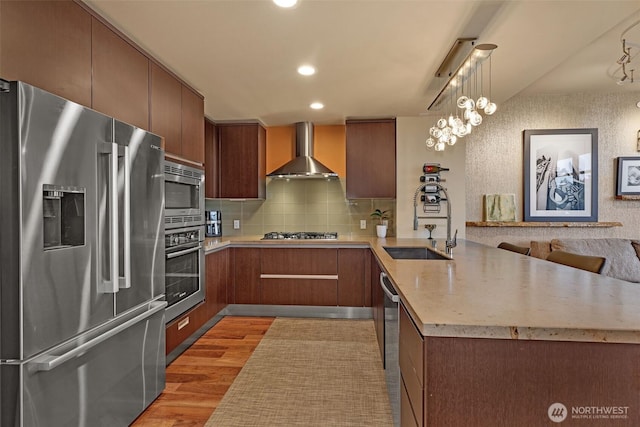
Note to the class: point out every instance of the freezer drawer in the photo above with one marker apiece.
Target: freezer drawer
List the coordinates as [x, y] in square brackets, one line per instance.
[92, 383]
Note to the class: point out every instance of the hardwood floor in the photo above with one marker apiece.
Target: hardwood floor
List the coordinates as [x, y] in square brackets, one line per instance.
[198, 379]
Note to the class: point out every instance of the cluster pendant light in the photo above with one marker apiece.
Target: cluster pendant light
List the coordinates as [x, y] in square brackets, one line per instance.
[467, 100]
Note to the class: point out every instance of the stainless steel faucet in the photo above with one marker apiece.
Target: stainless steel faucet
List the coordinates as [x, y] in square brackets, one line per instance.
[450, 243]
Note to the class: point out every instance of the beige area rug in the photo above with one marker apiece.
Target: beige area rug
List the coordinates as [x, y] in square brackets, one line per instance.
[310, 372]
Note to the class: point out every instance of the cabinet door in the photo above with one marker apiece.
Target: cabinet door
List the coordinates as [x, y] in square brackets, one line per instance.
[351, 276]
[377, 302]
[217, 264]
[371, 159]
[211, 156]
[242, 161]
[48, 45]
[166, 109]
[246, 280]
[120, 77]
[192, 126]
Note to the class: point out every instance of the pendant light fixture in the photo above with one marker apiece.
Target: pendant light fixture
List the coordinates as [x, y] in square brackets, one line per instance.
[472, 99]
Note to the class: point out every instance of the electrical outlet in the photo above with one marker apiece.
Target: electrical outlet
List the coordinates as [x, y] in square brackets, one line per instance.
[236, 224]
[363, 224]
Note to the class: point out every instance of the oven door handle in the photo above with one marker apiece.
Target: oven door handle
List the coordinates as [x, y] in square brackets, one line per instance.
[184, 252]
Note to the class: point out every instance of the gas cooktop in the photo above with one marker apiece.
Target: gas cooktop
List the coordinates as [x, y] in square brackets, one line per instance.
[301, 235]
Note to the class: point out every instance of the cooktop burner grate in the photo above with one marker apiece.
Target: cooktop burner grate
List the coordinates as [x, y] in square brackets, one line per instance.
[301, 235]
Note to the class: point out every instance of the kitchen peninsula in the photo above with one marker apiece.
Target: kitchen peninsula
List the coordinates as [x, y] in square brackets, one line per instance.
[497, 338]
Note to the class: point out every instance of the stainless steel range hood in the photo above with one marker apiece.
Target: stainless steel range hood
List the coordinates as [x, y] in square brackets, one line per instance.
[304, 165]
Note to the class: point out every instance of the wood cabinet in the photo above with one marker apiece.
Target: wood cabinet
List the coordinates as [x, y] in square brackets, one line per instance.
[48, 45]
[166, 108]
[177, 114]
[185, 326]
[120, 77]
[211, 156]
[242, 161]
[377, 303]
[353, 277]
[371, 159]
[295, 276]
[246, 276]
[411, 358]
[218, 281]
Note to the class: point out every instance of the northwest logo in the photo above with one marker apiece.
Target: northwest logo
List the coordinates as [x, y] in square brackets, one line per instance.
[557, 412]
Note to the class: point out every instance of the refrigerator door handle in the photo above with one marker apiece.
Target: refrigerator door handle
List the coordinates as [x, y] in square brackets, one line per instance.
[111, 285]
[125, 282]
[48, 362]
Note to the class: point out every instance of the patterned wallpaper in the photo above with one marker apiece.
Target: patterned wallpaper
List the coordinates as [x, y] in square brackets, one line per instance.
[494, 160]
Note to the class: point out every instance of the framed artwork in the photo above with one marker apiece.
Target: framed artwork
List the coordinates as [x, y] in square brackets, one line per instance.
[561, 175]
[628, 176]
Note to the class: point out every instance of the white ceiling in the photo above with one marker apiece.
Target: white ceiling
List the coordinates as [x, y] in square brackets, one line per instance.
[375, 58]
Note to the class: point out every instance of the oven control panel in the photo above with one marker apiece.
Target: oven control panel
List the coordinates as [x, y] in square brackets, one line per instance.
[183, 236]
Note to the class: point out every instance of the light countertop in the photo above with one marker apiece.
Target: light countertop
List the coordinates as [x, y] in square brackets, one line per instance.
[486, 292]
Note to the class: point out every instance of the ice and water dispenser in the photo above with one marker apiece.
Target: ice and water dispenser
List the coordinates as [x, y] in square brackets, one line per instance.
[63, 216]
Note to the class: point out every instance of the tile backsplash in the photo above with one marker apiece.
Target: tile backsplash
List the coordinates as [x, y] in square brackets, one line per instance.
[302, 205]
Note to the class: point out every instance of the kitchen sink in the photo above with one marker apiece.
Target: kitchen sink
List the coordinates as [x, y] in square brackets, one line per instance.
[413, 252]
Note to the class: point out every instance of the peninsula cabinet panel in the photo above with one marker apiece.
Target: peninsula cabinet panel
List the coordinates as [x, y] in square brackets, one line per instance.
[352, 275]
[242, 162]
[48, 45]
[490, 382]
[120, 77]
[411, 358]
[323, 292]
[192, 126]
[217, 277]
[166, 109]
[211, 175]
[246, 276]
[371, 159]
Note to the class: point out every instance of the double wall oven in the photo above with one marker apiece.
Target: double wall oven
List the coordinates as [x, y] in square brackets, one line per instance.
[184, 238]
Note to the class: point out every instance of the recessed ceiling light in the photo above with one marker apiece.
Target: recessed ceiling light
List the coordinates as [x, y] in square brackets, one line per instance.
[285, 3]
[317, 105]
[638, 104]
[306, 70]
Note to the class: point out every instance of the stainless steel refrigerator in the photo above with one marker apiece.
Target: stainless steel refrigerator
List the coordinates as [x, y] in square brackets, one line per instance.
[82, 338]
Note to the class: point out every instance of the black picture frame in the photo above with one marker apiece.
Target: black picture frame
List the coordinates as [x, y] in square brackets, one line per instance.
[561, 175]
[628, 182]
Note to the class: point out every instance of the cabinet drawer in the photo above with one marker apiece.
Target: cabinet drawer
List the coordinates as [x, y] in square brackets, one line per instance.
[411, 347]
[300, 261]
[414, 391]
[299, 291]
[407, 417]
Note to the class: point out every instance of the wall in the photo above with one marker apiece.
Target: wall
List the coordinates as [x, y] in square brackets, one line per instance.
[411, 133]
[494, 159]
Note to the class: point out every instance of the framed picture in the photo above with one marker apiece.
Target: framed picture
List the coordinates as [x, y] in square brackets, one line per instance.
[561, 175]
[628, 176]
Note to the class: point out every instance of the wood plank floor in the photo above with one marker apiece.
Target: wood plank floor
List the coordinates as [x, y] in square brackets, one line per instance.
[198, 379]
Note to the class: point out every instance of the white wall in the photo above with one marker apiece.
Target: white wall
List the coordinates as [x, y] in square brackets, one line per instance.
[494, 159]
[411, 133]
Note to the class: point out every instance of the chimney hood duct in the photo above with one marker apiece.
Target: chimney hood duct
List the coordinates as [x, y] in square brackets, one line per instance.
[304, 165]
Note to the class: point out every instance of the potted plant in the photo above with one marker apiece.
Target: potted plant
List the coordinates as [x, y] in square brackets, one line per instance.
[383, 217]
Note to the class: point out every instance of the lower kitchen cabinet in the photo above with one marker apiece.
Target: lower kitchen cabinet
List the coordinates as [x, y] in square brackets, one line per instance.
[217, 279]
[353, 272]
[245, 265]
[412, 361]
[377, 302]
[297, 276]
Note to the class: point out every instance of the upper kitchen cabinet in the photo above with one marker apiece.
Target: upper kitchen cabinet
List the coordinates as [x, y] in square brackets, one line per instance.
[48, 45]
[241, 161]
[192, 125]
[211, 175]
[371, 159]
[120, 77]
[166, 108]
[177, 114]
